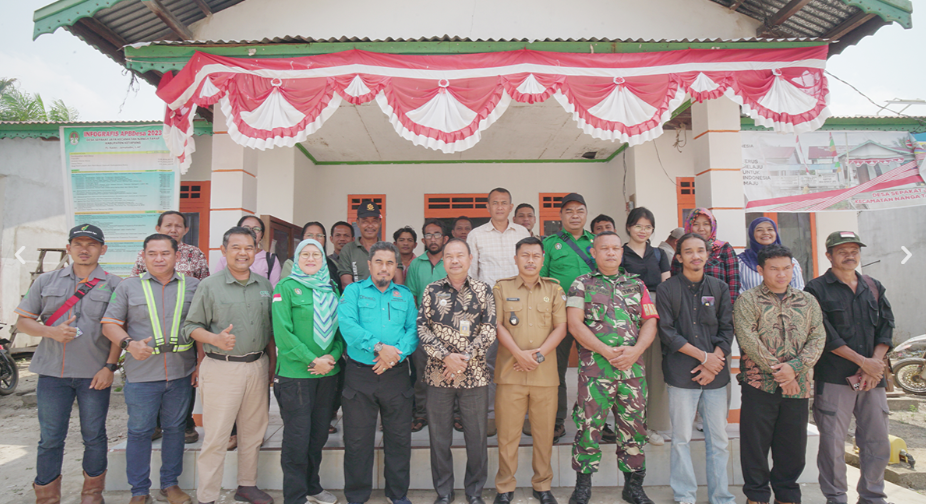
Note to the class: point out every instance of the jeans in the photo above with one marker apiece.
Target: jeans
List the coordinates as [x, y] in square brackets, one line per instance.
[305, 405]
[144, 401]
[55, 400]
[712, 405]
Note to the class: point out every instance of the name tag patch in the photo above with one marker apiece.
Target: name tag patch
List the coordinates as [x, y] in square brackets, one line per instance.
[512, 299]
[707, 300]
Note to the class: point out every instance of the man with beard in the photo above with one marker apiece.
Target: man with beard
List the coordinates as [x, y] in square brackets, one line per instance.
[354, 257]
[849, 377]
[424, 269]
[377, 320]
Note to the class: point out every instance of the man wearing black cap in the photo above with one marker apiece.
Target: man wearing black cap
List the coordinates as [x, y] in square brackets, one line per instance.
[849, 377]
[74, 361]
[566, 257]
[352, 261]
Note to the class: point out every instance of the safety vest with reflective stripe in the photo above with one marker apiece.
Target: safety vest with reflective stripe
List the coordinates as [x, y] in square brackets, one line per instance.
[173, 344]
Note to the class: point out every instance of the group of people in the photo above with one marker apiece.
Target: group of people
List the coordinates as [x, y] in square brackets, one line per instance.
[472, 335]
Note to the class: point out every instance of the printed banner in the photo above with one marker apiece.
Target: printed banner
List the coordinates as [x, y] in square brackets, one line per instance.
[119, 179]
[832, 170]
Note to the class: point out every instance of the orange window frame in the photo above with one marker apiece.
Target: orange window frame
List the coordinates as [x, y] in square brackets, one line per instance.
[453, 205]
[195, 197]
[548, 207]
[685, 196]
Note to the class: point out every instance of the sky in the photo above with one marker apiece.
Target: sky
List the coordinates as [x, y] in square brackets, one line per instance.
[61, 66]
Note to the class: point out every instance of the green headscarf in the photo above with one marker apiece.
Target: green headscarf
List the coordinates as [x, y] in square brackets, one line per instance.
[325, 300]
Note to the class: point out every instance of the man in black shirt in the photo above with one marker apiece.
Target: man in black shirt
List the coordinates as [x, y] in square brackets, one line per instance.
[696, 330]
[849, 377]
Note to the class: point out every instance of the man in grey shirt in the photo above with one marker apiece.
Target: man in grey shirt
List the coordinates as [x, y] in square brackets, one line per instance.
[144, 317]
[73, 361]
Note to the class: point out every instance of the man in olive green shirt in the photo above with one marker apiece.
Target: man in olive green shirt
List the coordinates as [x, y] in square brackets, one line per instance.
[566, 257]
[352, 261]
[230, 317]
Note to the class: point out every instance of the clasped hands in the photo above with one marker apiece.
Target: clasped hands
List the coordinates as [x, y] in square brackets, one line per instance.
[714, 363]
[388, 357]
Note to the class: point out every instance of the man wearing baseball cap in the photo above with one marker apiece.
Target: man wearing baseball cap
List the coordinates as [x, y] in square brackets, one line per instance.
[849, 377]
[668, 246]
[74, 361]
[352, 261]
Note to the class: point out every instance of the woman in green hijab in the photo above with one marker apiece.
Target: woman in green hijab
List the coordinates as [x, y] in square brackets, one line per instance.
[305, 328]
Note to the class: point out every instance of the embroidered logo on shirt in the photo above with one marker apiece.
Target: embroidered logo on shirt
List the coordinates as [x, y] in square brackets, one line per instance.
[298, 291]
[396, 293]
[558, 246]
[277, 297]
[264, 293]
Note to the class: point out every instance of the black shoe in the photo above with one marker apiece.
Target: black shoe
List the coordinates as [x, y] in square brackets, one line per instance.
[545, 497]
[583, 492]
[447, 499]
[633, 488]
[156, 434]
[608, 435]
[503, 498]
[475, 499]
[190, 436]
[558, 432]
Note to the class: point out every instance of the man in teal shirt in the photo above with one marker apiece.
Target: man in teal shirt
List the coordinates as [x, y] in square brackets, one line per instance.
[566, 257]
[378, 321]
[423, 270]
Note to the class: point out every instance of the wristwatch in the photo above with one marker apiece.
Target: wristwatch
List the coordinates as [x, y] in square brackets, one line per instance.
[312, 365]
[377, 348]
[539, 357]
[467, 356]
[125, 342]
[111, 367]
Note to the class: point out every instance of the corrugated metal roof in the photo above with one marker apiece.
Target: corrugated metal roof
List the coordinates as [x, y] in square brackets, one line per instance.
[820, 17]
[448, 38]
[134, 22]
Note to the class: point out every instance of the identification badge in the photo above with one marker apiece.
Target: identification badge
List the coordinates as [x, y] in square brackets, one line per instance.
[79, 332]
[464, 328]
[512, 299]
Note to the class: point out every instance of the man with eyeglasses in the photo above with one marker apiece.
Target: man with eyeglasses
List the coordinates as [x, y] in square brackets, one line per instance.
[424, 269]
[406, 239]
[492, 245]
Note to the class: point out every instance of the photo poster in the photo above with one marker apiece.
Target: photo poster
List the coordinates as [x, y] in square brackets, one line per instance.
[119, 178]
[825, 171]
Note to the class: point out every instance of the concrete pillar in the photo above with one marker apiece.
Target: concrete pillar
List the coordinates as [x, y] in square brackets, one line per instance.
[718, 163]
[234, 185]
[277, 185]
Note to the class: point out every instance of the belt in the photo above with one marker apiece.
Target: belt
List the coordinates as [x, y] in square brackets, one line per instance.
[236, 358]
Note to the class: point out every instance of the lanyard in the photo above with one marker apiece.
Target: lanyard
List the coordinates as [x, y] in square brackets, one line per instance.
[159, 344]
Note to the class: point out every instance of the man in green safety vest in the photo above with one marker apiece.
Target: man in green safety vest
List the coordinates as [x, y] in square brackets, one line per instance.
[144, 316]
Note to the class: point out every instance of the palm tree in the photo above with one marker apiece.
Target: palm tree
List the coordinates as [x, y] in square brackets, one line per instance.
[18, 105]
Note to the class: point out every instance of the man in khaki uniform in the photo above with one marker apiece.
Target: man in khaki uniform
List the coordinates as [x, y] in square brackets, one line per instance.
[531, 324]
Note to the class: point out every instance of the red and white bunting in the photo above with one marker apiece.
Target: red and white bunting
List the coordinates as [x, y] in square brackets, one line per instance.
[444, 102]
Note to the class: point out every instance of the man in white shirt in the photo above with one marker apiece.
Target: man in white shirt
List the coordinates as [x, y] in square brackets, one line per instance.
[493, 247]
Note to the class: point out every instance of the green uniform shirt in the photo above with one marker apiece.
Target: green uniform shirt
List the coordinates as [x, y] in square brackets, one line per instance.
[294, 331]
[421, 273]
[561, 262]
[353, 261]
[221, 301]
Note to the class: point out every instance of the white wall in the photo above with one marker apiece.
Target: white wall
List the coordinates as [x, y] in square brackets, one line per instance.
[537, 20]
[655, 181]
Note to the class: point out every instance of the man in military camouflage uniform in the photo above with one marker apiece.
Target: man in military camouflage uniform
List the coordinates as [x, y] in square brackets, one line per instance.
[612, 317]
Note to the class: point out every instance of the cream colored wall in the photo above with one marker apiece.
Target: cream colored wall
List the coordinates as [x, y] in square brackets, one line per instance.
[477, 19]
[322, 190]
[655, 180]
[201, 165]
[827, 222]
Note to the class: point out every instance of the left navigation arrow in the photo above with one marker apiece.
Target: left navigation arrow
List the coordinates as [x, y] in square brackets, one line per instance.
[18, 256]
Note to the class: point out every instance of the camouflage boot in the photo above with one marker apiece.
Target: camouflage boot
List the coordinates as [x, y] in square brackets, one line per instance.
[583, 492]
[633, 488]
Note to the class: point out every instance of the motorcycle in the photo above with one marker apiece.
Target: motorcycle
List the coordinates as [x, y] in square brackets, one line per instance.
[908, 362]
[9, 373]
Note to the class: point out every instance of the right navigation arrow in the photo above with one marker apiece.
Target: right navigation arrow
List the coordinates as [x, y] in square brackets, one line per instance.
[909, 254]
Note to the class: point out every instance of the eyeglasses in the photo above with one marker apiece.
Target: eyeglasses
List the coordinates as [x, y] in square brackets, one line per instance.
[433, 236]
[642, 228]
[256, 229]
[310, 255]
[319, 236]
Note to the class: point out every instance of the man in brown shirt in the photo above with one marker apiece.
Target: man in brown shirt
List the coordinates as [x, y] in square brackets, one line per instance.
[531, 323]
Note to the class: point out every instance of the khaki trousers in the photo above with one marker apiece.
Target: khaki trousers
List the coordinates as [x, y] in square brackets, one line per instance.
[511, 404]
[231, 391]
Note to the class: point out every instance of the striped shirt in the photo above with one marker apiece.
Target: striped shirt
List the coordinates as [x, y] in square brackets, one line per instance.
[750, 279]
[493, 251]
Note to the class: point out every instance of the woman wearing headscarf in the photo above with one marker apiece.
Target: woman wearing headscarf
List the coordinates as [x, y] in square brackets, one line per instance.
[305, 328]
[721, 260]
[762, 233]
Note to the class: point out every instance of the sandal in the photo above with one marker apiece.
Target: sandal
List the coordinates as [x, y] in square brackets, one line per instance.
[418, 424]
[458, 424]
[332, 429]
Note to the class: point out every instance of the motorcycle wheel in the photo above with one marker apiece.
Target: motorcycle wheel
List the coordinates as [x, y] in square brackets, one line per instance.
[907, 376]
[9, 374]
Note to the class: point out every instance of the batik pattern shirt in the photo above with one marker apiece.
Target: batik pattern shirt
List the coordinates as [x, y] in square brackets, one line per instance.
[615, 308]
[772, 331]
[444, 318]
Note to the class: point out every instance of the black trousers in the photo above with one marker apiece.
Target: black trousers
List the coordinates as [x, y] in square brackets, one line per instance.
[337, 396]
[770, 421]
[562, 362]
[367, 395]
[474, 404]
[305, 405]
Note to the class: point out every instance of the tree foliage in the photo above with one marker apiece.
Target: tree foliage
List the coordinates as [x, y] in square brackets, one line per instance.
[19, 105]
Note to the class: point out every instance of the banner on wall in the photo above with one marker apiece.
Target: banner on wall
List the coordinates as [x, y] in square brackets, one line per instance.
[832, 170]
[119, 178]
